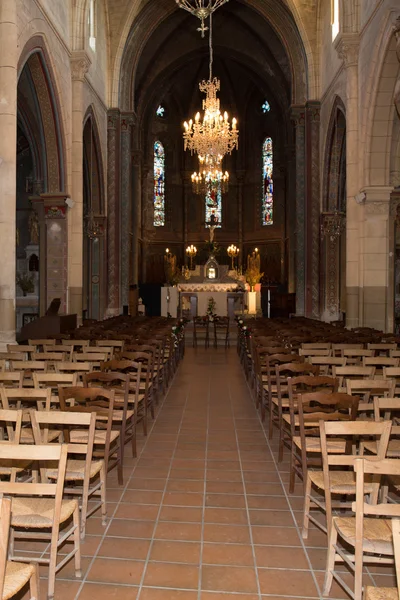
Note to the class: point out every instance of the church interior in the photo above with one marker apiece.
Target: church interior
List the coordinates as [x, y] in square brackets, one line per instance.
[199, 211]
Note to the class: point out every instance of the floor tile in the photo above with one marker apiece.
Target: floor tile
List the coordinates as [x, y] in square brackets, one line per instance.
[160, 574]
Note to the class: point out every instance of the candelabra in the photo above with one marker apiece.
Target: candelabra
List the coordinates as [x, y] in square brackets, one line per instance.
[233, 252]
[209, 179]
[191, 251]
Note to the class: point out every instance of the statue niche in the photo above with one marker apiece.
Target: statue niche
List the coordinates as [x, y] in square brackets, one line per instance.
[211, 270]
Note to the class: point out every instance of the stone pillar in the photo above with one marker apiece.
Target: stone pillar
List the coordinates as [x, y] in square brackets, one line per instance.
[113, 213]
[291, 218]
[8, 177]
[347, 47]
[375, 258]
[313, 194]
[56, 250]
[127, 121]
[80, 64]
[396, 31]
[136, 212]
[298, 115]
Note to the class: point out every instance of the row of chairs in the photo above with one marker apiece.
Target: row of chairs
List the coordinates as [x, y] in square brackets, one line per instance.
[338, 428]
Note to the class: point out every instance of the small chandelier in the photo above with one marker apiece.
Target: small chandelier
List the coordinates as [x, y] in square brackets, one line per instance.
[201, 9]
[332, 224]
[211, 136]
[94, 226]
[206, 180]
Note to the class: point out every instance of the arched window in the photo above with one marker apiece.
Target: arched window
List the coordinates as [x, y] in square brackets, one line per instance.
[267, 207]
[213, 203]
[92, 24]
[159, 185]
[335, 21]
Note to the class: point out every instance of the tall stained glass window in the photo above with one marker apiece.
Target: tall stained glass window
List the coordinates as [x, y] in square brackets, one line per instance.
[159, 184]
[267, 183]
[213, 203]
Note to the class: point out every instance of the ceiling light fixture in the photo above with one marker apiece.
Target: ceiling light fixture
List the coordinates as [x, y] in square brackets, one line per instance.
[201, 9]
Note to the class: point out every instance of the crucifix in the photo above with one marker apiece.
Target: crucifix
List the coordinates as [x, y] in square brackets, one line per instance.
[212, 223]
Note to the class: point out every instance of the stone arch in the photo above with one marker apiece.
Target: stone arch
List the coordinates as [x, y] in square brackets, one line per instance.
[35, 63]
[148, 20]
[380, 115]
[90, 115]
[333, 249]
[334, 148]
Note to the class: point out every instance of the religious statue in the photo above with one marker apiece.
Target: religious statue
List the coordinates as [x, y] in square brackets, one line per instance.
[213, 223]
[33, 224]
[171, 271]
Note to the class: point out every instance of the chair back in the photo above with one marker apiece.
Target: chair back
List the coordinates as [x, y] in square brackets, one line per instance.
[12, 379]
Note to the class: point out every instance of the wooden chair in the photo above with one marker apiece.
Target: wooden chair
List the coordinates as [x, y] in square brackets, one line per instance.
[7, 356]
[106, 440]
[81, 469]
[94, 358]
[352, 372]
[379, 593]
[380, 362]
[3, 366]
[14, 576]
[308, 352]
[368, 533]
[54, 381]
[26, 399]
[50, 357]
[306, 410]
[10, 432]
[143, 378]
[337, 348]
[335, 479]
[382, 349]
[118, 345]
[354, 356]
[12, 379]
[18, 348]
[126, 404]
[28, 367]
[221, 325]
[316, 346]
[80, 368]
[326, 363]
[58, 349]
[389, 408]
[394, 374]
[38, 344]
[76, 345]
[39, 507]
[201, 325]
[370, 387]
[290, 420]
[280, 404]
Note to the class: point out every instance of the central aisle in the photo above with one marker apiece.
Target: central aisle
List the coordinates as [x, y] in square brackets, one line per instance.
[203, 513]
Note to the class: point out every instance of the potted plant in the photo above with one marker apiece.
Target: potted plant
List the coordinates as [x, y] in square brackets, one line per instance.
[26, 283]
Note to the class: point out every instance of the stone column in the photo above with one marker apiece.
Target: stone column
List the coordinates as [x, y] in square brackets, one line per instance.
[396, 31]
[136, 212]
[375, 258]
[347, 47]
[127, 121]
[313, 194]
[8, 177]
[56, 250]
[113, 214]
[298, 115]
[80, 63]
[291, 218]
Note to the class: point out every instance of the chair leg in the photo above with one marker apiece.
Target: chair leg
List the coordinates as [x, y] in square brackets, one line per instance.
[292, 472]
[119, 465]
[307, 505]
[103, 478]
[330, 562]
[77, 544]
[271, 420]
[34, 584]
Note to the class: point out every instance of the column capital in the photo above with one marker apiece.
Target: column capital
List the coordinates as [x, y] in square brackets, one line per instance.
[347, 46]
[377, 200]
[298, 115]
[128, 120]
[313, 108]
[80, 63]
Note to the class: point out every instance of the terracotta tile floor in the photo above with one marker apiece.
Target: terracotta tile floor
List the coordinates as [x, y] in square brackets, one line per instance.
[204, 512]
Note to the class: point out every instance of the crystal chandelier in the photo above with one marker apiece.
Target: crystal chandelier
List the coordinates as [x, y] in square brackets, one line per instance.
[210, 136]
[201, 9]
[332, 224]
[209, 179]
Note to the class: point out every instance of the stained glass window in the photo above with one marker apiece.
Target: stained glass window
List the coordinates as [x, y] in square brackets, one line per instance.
[160, 112]
[214, 206]
[159, 185]
[266, 107]
[267, 183]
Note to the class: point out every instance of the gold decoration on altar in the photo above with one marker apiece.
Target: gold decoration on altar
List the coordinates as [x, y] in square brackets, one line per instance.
[253, 274]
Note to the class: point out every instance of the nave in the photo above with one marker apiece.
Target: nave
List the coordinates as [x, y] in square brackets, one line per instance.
[204, 511]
